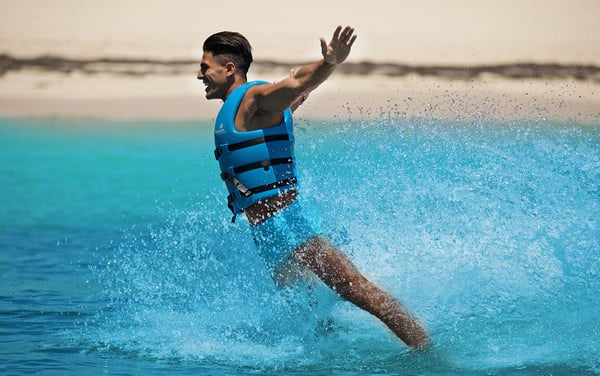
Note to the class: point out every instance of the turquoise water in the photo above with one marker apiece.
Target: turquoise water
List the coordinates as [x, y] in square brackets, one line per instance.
[118, 256]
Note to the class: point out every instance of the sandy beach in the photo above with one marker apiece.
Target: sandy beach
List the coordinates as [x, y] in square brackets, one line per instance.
[461, 59]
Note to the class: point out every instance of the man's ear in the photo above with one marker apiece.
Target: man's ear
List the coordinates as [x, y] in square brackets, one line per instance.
[230, 68]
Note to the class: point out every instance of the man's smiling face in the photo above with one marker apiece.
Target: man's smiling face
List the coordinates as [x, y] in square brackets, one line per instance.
[214, 74]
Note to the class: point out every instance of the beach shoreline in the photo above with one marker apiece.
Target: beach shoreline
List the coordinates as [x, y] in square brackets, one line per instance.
[34, 93]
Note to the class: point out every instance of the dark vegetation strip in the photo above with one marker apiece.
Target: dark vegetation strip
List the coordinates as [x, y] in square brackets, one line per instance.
[141, 67]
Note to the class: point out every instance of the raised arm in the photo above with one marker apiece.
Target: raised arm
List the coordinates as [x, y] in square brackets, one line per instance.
[281, 95]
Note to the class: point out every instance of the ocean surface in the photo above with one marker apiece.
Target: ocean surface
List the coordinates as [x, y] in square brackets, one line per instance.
[118, 257]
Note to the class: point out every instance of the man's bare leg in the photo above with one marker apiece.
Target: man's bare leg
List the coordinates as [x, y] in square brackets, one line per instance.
[338, 272]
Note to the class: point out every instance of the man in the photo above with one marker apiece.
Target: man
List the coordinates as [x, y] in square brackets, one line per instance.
[255, 149]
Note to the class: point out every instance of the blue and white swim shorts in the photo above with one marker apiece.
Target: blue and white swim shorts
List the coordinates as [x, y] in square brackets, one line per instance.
[280, 235]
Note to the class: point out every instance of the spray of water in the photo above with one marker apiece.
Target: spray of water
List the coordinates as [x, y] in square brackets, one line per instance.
[488, 232]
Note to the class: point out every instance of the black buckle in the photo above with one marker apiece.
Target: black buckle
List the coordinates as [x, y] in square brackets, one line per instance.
[238, 184]
[218, 152]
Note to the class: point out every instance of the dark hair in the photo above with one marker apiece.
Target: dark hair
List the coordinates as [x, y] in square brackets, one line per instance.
[234, 46]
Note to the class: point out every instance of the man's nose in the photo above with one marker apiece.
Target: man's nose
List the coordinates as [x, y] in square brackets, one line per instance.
[200, 75]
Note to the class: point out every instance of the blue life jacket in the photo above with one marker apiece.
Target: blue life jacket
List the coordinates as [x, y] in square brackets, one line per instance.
[257, 164]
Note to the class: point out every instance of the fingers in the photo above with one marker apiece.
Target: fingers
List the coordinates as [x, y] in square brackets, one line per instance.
[323, 46]
[341, 42]
[347, 36]
[336, 33]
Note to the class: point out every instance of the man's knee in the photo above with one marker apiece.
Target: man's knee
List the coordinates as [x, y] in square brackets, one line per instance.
[314, 249]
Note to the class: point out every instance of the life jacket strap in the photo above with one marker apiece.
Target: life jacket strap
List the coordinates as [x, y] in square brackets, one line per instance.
[248, 192]
[238, 184]
[277, 184]
[262, 164]
[261, 188]
[252, 142]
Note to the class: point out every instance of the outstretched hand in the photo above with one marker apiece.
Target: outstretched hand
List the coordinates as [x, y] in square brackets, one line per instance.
[339, 48]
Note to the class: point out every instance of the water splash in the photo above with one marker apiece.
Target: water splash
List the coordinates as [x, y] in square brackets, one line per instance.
[488, 232]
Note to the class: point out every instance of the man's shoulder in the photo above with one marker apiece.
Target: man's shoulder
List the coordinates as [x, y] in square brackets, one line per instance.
[255, 88]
